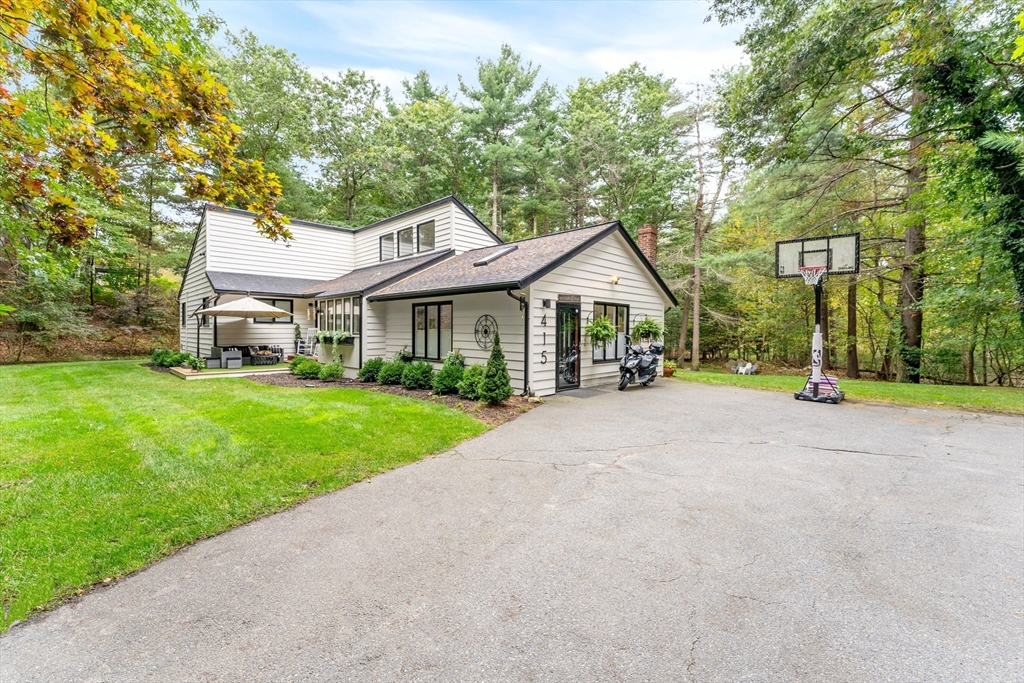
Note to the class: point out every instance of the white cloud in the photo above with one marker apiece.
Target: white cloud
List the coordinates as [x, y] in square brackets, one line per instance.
[393, 40]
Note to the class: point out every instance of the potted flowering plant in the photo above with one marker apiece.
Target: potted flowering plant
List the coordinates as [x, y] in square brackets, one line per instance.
[335, 337]
[669, 368]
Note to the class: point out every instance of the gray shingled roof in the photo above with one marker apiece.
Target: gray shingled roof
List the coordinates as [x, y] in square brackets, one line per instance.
[371, 277]
[260, 284]
[531, 258]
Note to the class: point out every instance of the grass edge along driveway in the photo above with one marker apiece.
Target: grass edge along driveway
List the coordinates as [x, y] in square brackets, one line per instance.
[951, 397]
[106, 467]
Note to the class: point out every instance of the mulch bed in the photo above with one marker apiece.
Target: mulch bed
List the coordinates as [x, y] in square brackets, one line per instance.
[491, 415]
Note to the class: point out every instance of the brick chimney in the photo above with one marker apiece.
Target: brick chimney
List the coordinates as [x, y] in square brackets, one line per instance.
[647, 240]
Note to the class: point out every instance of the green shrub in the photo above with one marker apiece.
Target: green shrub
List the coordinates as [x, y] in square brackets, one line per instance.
[197, 364]
[331, 372]
[391, 373]
[455, 358]
[403, 356]
[296, 362]
[447, 380]
[370, 370]
[306, 368]
[418, 375]
[496, 385]
[165, 358]
[469, 386]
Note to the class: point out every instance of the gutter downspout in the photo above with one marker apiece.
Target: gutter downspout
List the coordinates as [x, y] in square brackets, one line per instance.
[524, 307]
[362, 326]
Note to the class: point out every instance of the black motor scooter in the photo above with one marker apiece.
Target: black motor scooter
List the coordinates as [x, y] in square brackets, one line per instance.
[639, 365]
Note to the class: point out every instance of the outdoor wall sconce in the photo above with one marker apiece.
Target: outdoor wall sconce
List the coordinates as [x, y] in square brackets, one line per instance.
[615, 279]
[309, 311]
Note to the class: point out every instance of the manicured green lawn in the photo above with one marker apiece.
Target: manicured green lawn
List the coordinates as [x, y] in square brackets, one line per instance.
[993, 399]
[108, 466]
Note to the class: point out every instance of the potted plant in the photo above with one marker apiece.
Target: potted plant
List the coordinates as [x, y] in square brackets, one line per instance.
[647, 330]
[600, 331]
[298, 337]
[669, 368]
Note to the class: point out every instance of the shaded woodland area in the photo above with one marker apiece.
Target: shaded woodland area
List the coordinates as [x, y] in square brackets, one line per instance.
[901, 121]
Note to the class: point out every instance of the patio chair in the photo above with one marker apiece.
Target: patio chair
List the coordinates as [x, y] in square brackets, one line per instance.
[307, 346]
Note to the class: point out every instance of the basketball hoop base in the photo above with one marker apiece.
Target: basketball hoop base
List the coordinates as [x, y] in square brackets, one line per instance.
[828, 391]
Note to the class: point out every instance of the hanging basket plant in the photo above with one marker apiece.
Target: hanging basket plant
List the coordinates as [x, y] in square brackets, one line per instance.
[648, 330]
[600, 331]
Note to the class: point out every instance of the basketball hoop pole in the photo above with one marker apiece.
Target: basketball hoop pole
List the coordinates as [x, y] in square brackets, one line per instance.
[816, 344]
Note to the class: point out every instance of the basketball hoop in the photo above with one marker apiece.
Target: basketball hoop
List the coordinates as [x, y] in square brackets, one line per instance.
[812, 274]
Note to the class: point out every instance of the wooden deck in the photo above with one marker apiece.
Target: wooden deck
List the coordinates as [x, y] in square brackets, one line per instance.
[186, 373]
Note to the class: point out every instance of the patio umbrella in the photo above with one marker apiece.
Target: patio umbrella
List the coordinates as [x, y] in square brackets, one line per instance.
[240, 308]
[244, 308]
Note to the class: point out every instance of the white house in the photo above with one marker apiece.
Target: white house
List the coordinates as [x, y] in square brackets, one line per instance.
[429, 280]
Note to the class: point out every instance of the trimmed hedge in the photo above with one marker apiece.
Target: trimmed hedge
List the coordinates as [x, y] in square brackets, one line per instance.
[391, 372]
[370, 370]
[331, 372]
[446, 381]
[418, 375]
[469, 386]
[306, 368]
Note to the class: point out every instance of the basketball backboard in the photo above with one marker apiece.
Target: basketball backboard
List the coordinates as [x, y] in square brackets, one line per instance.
[840, 254]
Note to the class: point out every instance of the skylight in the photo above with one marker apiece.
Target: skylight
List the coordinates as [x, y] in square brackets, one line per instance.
[495, 256]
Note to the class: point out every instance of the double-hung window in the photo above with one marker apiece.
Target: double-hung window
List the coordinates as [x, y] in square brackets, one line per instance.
[616, 348]
[432, 330]
[283, 304]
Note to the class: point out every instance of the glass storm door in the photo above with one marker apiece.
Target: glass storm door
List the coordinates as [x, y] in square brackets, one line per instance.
[567, 346]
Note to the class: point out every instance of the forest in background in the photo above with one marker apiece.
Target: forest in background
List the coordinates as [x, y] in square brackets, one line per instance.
[898, 120]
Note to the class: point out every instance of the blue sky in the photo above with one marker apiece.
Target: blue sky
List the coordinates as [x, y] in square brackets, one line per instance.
[393, 40]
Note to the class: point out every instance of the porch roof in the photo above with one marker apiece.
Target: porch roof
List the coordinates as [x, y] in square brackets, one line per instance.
[520, 264]
[251, 283]
[364, 280]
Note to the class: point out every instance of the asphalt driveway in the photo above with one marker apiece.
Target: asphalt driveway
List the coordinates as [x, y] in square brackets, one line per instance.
[685, 532]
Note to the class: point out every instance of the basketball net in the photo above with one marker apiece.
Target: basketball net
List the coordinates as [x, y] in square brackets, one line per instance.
[812, 274]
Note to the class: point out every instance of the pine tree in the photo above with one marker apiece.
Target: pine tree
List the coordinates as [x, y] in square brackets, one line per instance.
[496, 386]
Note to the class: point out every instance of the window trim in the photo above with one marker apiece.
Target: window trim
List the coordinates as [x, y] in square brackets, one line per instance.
[394, 251]
[277, 321]
[425, 305]
[618, 356]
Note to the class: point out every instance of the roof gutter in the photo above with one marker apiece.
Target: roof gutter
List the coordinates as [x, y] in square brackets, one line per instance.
[525, 308]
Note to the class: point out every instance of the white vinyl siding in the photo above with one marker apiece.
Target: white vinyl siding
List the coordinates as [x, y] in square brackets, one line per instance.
[195, 289]
[368, 246]
[234, 246]
[589, 275]
[468, 234]
[466, 310]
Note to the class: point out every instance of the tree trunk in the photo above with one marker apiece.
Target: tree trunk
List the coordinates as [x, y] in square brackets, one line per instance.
[494, 200]
[695, 348]
[852, 360]
[912, 279]
[684, 331]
